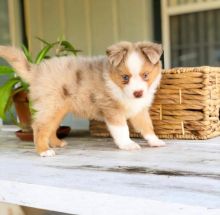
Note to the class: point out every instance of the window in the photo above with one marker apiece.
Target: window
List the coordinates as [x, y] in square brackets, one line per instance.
[190, 31]
[195, 39]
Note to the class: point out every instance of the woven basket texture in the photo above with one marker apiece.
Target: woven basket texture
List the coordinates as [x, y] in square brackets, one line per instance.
[186, 106]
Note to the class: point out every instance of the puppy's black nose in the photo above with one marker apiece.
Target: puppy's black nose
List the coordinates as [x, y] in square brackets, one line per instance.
[138, 93]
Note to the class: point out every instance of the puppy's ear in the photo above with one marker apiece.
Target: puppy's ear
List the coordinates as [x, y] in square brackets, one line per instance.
[117, 53]
[151, 51]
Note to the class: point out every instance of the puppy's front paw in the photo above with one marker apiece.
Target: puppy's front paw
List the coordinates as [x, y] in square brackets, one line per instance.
[48, 153]
[154, 141]
[130, 146]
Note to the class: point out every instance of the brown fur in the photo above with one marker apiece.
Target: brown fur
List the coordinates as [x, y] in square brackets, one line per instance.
[78, 76]
[118, 52]
[151, 51]
[142, 122]
[78, 85]
[66, 93]
[116, 75]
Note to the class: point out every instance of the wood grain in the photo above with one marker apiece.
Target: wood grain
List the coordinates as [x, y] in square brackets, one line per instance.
[91, 176]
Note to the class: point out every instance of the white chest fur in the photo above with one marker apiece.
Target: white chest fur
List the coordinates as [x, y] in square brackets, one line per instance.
[133, 106]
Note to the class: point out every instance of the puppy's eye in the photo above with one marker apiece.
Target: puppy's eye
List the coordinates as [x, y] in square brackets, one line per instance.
[125, 79]
[145, 76]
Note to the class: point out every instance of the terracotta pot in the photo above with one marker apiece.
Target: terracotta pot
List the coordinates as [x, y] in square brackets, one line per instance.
[25, 136]
[62, 131]
[21, 102]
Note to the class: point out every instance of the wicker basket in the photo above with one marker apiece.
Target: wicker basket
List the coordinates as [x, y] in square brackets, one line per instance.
[187, 105]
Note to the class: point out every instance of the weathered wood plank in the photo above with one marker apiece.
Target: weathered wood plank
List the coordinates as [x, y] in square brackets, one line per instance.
[91, 176]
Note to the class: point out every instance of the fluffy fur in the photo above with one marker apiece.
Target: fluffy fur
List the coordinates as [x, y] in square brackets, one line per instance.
[113, 88]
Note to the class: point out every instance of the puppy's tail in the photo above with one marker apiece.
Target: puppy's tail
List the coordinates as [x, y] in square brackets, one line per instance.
[16, 58]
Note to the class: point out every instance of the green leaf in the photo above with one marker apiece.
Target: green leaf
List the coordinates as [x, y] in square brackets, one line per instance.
[27, 53]
[43, 53]
[75, 51]
[5, 95]
[6, 70]
[47, 43]
[63, 46]
[8, 109]
[69, 47]
[43, 41]
[47, 57]
[24, 85]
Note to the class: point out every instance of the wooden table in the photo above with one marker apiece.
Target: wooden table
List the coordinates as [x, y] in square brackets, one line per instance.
[91, 176]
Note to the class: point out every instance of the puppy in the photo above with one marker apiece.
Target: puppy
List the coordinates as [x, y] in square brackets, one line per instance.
[113, 88]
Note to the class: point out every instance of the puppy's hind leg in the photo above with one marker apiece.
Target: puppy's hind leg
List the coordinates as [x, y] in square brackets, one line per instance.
[42, 132]
[54, 141]
[44, 128]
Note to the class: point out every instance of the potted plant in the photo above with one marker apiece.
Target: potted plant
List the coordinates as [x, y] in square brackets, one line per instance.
[14, 91]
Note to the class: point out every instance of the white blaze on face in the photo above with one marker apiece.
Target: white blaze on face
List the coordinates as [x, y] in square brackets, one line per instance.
[135, 63]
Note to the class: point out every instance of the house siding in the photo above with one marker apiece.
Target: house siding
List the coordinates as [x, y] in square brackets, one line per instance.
[91, 25]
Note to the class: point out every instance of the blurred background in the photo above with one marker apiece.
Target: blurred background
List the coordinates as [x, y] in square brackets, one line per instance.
[188, 29]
